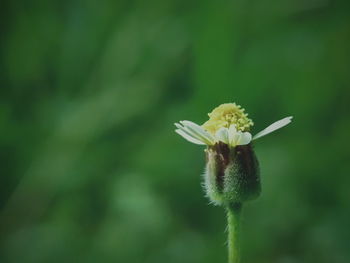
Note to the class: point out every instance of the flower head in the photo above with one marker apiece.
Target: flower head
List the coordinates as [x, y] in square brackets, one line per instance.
[227, 124]
[232, 173]
[226, 115]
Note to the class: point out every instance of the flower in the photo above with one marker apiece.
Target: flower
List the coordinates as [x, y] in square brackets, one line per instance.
[227, 124]
[225, 115]
[232, 173]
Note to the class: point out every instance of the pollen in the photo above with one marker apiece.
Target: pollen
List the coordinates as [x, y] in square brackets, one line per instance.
[226, 115]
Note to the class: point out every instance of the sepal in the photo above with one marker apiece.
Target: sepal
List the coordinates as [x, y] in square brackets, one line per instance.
[232, 174]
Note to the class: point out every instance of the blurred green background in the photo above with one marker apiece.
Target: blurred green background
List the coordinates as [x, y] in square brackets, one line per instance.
[91, 169]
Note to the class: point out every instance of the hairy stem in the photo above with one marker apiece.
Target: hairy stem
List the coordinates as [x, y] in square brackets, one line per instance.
[233, 225]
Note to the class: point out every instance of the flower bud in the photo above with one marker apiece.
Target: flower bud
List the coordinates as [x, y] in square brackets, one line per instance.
[232, 174]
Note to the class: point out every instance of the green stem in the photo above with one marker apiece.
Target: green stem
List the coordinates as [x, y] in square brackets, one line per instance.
[233, 224]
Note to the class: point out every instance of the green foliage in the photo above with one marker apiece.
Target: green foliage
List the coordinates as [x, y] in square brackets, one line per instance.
[91, 169]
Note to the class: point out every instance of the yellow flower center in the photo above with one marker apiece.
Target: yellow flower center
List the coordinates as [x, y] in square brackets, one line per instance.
[225, 115]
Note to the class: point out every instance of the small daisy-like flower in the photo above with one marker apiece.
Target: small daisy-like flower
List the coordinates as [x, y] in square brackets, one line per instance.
[232, 174]
[227, 124]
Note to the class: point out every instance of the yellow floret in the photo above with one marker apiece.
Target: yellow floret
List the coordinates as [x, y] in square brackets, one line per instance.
[225, 115]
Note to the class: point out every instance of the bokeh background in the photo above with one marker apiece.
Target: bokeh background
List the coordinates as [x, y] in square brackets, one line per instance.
[91, 169]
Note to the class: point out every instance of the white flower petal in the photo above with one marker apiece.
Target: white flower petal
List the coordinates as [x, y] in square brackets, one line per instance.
[199, 130]
[234, 139]
[231, 132]
[222, 135]
[274, 126]
[179, 126]
[244, 138]
[232, 129]
[189, 138]
[188, 132]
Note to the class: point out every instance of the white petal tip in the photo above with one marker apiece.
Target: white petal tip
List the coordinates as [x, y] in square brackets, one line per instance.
[245, 138]
[189, 137]
[273, 127]
[222, 135]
